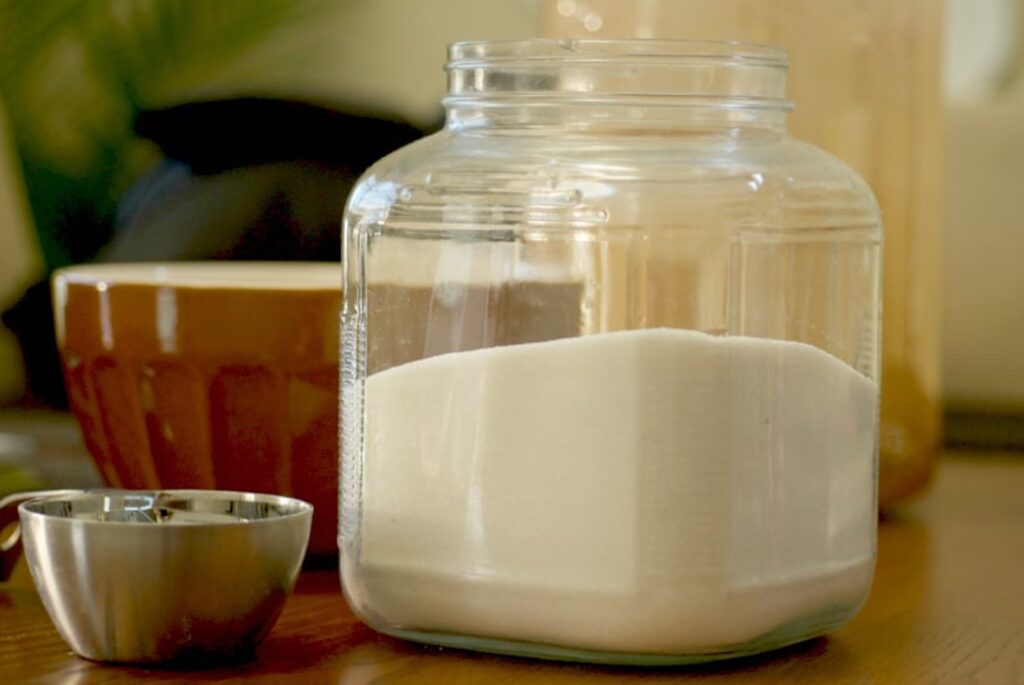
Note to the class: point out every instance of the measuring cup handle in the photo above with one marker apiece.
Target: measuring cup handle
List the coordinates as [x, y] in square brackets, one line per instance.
[10, 546]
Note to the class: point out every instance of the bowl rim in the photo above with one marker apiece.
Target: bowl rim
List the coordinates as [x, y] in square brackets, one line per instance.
[294, 508]
[206, 275]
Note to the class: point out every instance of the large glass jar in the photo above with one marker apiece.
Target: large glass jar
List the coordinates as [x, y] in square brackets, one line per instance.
[610, 362]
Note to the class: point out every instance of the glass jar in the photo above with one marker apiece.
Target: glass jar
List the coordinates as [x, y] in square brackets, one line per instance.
[610, 362]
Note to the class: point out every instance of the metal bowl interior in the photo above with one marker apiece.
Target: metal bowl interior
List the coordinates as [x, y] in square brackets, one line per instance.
[169, 507]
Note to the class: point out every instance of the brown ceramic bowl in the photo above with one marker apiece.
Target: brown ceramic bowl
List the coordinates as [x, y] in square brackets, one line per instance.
[220, 375]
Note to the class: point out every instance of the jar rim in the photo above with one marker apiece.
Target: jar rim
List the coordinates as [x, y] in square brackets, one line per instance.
[739, 82]
[466, 53]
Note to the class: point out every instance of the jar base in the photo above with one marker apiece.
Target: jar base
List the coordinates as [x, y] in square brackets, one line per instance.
[783, 636]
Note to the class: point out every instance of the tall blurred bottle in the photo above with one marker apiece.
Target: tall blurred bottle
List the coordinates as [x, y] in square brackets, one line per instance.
[866, 75]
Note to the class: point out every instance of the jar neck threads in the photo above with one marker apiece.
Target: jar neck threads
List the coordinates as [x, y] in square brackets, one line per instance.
[610, 83]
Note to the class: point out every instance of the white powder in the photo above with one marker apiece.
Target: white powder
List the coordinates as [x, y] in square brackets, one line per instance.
[644, 491]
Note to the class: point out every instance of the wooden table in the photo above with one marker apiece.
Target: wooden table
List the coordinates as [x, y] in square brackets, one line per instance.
[947, 607]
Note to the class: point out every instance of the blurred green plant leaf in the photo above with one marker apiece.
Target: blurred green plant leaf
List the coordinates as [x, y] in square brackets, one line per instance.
[74, 73]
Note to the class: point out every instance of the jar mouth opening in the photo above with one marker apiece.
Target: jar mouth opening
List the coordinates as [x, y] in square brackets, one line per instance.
[467, 54]
[612, 74]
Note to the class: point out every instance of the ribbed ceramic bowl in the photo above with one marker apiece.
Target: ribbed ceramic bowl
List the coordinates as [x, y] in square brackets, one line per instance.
[208, 375]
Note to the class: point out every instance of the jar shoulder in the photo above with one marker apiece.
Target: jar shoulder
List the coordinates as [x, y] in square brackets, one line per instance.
[770, 175]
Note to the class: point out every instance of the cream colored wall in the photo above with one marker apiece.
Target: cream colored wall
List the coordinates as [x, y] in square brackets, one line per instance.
[984, 294]
[381, 54]
[393, 51]
[984, 328]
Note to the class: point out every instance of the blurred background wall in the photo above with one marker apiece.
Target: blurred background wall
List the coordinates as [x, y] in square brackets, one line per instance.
[984, 295]
[388, 55]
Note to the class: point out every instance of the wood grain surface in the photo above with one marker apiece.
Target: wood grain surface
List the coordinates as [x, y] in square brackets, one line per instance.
[947, 607]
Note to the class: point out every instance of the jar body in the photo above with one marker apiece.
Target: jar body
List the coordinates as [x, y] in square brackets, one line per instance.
[609, 392]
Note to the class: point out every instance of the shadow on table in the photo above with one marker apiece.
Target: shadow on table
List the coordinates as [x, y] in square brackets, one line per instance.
[395, 662]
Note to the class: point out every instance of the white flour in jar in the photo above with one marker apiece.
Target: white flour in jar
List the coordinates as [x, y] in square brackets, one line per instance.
[644, 491]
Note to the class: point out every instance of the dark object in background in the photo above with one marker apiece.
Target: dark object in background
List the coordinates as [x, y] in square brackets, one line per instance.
[31, 321]
[248, 179]
[216, 136]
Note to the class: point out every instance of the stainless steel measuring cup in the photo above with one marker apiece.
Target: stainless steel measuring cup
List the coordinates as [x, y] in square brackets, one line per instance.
[140, 576]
